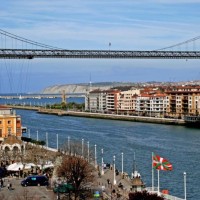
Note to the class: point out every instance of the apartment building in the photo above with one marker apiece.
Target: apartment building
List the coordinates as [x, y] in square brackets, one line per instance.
[126, 101]
[151, 104]
[10, 123]
[95, 101]
[175, 101]
[112, 100]
[183, 100]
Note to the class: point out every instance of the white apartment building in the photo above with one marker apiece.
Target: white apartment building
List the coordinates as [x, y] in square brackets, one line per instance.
[151, 105]
[95, 101]
[158, 104]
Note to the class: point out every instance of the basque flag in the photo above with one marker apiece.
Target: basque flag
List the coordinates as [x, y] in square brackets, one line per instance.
[160, 163]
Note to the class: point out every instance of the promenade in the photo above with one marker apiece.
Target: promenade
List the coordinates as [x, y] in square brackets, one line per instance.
[41, 192]
[156, 120]
[110, 190]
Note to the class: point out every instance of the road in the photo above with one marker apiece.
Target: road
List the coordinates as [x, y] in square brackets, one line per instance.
[26, 193]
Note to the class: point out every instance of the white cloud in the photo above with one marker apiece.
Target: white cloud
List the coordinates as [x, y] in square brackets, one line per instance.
[92, 24]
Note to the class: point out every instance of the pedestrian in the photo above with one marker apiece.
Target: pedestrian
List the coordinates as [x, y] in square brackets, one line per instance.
[8, 186]
[1, 183]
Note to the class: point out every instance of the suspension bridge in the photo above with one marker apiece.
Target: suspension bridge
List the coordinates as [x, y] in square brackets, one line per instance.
[29, 50]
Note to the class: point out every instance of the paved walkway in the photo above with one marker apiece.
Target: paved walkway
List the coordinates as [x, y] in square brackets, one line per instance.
[106, 184]
[18, 192]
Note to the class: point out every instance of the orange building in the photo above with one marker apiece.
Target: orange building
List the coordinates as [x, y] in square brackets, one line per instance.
[10, 123]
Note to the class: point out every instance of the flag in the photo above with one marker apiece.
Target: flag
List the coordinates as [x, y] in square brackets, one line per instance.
[160, 163]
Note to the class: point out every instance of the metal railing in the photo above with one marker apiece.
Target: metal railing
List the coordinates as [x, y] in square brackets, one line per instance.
[166, 196]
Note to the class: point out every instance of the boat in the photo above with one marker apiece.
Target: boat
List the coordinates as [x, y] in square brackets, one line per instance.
[192, 121]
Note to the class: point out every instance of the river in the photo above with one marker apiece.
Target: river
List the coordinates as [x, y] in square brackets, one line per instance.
[178, 144]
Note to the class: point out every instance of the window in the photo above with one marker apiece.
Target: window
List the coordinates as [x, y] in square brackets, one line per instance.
[9, 122]
[1, 133]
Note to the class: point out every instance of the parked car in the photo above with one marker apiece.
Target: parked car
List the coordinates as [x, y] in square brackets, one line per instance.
[35, 181]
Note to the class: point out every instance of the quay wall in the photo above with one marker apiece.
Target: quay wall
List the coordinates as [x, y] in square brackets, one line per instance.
[105, 116]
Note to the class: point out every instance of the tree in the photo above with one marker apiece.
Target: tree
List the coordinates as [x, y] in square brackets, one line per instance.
[77, 171]
[144, 196]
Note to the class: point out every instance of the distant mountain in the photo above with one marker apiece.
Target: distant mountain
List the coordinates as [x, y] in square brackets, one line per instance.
[85, 87]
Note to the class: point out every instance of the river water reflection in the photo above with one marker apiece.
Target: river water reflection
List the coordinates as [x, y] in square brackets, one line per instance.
[180, 145]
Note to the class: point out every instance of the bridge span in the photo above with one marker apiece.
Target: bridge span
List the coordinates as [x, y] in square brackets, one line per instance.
[40, 96]
[96, 54]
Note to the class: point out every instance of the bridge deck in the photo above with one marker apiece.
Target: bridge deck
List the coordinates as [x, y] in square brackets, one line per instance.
[34, 53]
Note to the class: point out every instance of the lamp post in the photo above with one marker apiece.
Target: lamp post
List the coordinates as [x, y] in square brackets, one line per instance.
[68, 144]
[102, 163]
[184, 175]
[82, 147]
[114, 179]
[57, 140]
[47, 139]
[37, 135]
[95, 156]
[88, 145]
[122, 162]
[29, 133]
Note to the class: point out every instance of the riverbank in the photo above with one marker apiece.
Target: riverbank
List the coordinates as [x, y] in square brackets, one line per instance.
[155, 120]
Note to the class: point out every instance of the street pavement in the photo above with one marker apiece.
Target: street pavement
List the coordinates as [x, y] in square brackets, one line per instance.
[19, 192]
[110, 188]
[104, 183]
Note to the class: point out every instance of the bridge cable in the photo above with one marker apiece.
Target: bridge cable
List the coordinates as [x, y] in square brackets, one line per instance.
[179, 44]
[27, 40]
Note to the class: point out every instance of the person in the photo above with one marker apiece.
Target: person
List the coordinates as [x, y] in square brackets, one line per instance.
[10, 186]
[1, 183]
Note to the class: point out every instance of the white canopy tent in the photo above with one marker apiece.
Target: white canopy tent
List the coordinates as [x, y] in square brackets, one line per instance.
[16, 166]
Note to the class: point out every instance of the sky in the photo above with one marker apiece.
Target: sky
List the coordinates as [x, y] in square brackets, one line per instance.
[93, 24]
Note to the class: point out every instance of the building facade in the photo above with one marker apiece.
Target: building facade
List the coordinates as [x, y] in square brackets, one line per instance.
[174, 101]
[183, 100]
[10, 123]
[126, 101]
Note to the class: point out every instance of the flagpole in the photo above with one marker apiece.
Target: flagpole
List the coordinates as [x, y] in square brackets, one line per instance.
[158, 182]
[152, 174]
[184, 175]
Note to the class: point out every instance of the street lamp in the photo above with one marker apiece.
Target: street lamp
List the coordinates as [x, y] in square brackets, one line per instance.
[184, 175]
[95, 156]
[88, 144]
[114, 179]
[102, 168]
[68, 144]
[47, 139]
[57, 140]
[82, 147]
[37, 135]
[29, 133]
[122, 162]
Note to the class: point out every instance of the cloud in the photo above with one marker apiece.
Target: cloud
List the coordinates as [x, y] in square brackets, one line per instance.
[92, 24]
